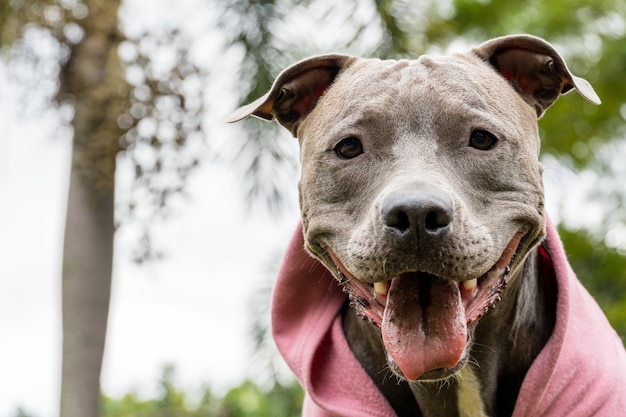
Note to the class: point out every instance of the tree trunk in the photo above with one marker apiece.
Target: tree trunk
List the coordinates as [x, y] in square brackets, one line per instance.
[86, 287]
[93, 82]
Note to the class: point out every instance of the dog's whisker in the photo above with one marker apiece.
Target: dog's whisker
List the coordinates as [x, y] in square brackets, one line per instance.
[387, 375]
[471, 360]
[482, 345]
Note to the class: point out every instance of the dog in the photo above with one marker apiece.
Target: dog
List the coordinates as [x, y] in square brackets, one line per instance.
[421, 193]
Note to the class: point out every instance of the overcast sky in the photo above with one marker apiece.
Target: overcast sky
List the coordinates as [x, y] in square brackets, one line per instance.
[190, 310]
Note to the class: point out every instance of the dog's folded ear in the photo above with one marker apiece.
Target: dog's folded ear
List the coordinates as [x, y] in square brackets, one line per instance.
[535, 69]
[295, 91]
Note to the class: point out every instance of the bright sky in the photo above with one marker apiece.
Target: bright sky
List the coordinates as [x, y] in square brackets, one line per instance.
[190, 310]
[31, 173]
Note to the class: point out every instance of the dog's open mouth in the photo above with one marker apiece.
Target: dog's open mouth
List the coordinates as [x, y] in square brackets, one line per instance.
[424, 319]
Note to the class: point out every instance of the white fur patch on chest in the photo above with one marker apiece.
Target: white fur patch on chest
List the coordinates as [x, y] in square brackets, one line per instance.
[469, 400]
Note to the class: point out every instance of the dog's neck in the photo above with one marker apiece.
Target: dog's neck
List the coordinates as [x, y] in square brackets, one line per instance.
[505, 343]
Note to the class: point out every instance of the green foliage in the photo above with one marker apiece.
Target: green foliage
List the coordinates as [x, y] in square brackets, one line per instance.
[245, 400]
[589, 35]
[171, 402]
[602, 270]
[249, 399]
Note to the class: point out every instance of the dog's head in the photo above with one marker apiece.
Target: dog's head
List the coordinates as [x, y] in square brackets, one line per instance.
[421, 189]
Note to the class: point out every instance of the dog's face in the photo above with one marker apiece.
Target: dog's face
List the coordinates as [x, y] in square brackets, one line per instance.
[403, 198]
[421, 189]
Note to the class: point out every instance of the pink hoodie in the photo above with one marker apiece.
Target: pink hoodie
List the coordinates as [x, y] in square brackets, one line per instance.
[580, 372]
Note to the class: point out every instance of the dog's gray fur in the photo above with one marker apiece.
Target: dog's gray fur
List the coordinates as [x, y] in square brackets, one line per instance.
[414, 120]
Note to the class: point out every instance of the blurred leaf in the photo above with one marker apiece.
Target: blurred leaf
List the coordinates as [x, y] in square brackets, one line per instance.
[246, 400]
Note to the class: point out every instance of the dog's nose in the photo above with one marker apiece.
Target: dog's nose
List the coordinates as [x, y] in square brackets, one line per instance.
[423, 212]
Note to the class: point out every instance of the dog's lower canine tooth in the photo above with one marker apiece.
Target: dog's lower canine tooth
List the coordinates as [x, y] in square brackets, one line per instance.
[381, 287]
[470, 284]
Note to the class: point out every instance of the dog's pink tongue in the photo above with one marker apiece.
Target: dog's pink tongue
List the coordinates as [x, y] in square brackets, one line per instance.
[424, 325]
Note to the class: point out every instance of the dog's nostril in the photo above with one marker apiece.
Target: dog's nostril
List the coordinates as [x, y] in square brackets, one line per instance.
[398, 220]
[436, 219]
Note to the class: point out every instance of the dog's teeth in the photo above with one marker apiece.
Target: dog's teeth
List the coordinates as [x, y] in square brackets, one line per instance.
[470, 284]
[381, 287]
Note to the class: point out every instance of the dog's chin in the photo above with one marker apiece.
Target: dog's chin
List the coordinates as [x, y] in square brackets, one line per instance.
[427, 321]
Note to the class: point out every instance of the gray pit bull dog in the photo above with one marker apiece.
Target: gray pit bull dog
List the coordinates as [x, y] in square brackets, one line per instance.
[422, 193]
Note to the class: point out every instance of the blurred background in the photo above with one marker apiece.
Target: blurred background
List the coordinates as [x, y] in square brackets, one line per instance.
[140, 234]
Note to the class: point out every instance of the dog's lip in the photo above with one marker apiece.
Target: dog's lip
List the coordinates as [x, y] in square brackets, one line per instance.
[477, 295]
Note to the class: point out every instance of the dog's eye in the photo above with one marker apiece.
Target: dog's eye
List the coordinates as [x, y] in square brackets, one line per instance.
[482, 140]
[349, 148]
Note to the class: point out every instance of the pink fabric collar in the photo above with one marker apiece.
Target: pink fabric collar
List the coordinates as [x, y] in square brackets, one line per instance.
[581, 371]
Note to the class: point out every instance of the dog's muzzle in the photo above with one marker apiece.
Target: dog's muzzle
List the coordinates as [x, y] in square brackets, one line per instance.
[426, 320]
